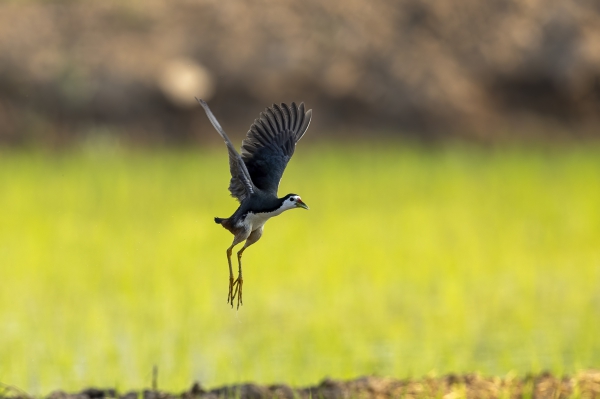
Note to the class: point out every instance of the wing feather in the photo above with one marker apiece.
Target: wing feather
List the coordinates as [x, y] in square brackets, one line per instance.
[260, 132]
[300, 118]
[293, 116]
[271, 141]
[304, 126]
[286, 116]
[240, 185]
[278, 116]
[272, 120]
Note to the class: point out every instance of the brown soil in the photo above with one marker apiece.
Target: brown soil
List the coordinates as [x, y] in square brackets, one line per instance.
[585, 384]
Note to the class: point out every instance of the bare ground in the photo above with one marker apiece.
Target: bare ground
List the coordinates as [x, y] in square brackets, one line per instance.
[585, 384]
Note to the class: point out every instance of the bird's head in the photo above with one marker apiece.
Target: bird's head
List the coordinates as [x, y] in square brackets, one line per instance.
[291, 201]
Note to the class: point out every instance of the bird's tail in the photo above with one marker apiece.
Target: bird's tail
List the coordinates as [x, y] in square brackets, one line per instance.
[219, 220]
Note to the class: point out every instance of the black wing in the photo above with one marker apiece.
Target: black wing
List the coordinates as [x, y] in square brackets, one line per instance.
[271, 141]
[240, 185]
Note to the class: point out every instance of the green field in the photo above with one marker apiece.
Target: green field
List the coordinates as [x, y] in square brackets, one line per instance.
[410, 261]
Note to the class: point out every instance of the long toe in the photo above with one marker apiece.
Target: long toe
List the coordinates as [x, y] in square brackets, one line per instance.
[237, 292]
[240, 301]
[231, 295]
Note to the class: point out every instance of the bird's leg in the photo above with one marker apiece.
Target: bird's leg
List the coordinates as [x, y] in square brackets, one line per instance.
[239, 281]
[252, 238]
[230, 296]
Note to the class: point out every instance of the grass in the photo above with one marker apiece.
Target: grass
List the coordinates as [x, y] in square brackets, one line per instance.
[410, 261]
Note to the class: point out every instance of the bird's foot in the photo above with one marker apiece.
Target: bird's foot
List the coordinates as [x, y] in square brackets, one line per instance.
[238, 292]
[231, 295]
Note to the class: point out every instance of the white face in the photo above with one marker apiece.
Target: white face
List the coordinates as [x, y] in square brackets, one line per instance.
[293, 202]
[290, 203]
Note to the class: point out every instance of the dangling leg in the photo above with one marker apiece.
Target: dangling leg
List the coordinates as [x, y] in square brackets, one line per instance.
[239, 282]
[236, 240]
[229, 296]
[254, 236]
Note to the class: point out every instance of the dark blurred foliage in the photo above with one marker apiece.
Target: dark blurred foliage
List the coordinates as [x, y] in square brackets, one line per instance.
[486, 70]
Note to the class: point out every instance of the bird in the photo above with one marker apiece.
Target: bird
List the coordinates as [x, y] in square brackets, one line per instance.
[255, 177]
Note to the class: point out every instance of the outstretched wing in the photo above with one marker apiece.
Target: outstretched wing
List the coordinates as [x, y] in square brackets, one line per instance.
[241, 185]
[271, 141]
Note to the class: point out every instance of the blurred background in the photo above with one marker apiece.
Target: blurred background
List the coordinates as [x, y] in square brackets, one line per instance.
[452, 169]
[482, 70]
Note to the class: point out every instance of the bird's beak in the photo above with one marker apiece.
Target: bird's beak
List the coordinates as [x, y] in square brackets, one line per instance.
[300, 204]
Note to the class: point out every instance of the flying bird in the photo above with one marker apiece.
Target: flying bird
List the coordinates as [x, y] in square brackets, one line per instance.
[255, 177]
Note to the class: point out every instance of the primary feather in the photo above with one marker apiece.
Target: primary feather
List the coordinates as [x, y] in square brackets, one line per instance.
[271, 141]
[240, 185]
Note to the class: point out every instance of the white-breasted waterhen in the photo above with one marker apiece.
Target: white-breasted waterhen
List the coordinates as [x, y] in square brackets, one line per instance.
[255, 176]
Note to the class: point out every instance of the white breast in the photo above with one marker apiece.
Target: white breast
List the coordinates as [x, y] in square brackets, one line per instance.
[255, 221]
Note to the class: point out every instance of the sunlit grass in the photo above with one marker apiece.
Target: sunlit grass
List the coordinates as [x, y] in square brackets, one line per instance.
[409, 261]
